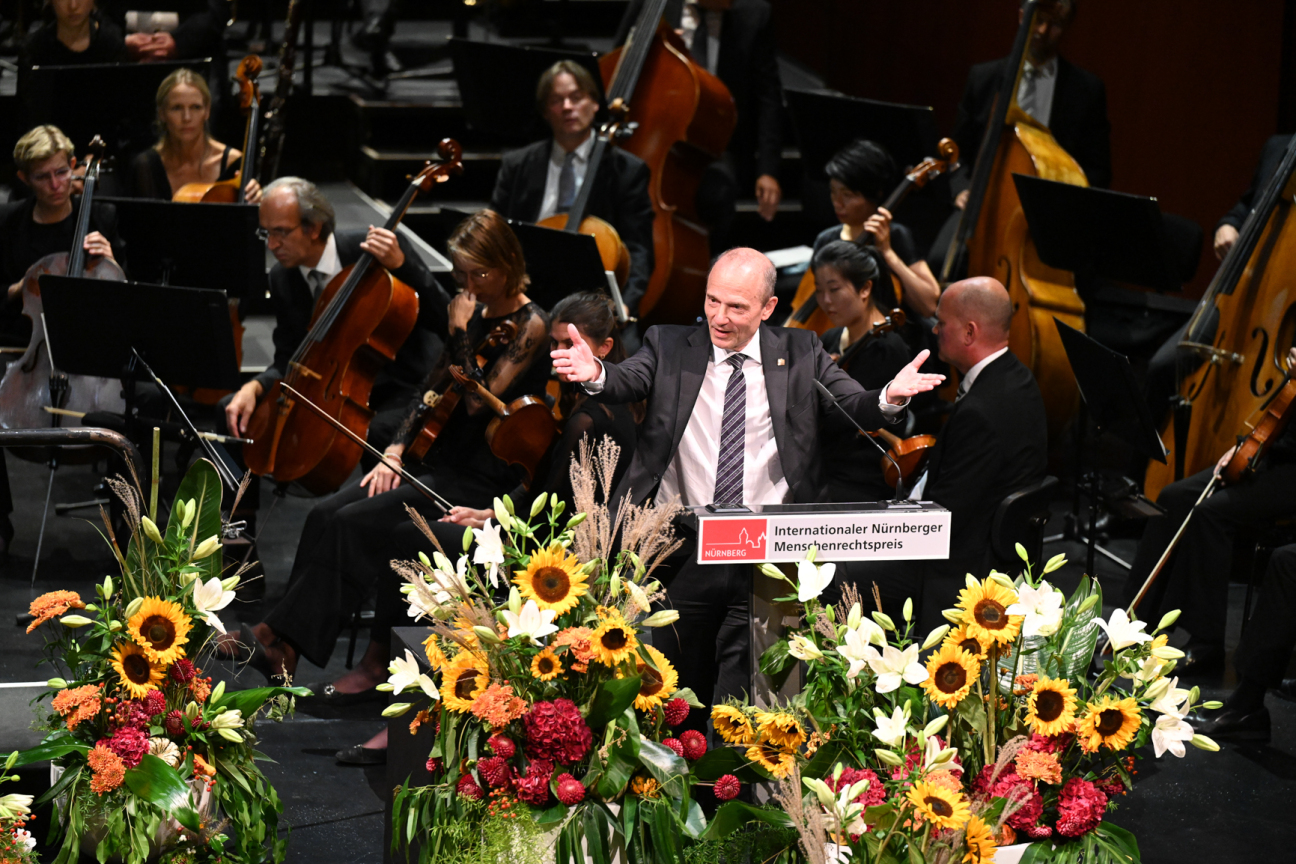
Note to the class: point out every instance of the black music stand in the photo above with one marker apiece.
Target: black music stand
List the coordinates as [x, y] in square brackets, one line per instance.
[497, 84]
[559, 263]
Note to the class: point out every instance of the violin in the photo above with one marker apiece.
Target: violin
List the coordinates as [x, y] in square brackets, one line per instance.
[439, 407]
[891, 323]
[361, 319]
[1255, 444]
[521, 432]
[232, 191]
[806, 313]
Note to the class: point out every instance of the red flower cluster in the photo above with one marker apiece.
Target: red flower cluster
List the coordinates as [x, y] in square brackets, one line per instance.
[174, 723]
[183, 671]
[570, 790]
[1080, 807]
[501, 746]
[434, 765]
[872, 796]
[495, 771]
[154, 703]
[533, 788]
[676, 711]
[131, 713]
[727, 787]
[127, 742]
[676, 745]
[468, 788]
[1050, 743]
[1111, 786]
[694, 744]
[556, 732]
[1009, 784]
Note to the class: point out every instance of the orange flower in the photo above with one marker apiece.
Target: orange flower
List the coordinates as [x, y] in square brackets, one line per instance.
[1039, 766]
[1024, 684]
[200, 687]
[497, 706]
[947, 779]
[50, 606]
[78, 704]
[579, 640]
[203, 767]
[109, 770]
[645, 787]
[419, 719]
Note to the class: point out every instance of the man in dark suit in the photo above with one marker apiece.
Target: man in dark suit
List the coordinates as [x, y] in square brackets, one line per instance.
[1226, 233]
[545, 178]
[733, 417]
[1070, 101]
[994, 442]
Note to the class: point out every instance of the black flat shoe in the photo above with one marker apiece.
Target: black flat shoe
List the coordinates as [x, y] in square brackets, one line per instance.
[1230, 724]
[1286, 690]
[327, 694]
[359, 755]
[1202, 658]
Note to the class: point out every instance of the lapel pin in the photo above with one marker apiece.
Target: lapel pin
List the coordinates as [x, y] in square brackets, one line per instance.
[780, 361]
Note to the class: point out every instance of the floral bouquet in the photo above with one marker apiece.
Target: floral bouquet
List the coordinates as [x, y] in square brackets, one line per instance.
[150, 758]
[17, 845]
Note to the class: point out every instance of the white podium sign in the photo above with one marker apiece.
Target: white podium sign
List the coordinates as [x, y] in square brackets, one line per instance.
[852, 532]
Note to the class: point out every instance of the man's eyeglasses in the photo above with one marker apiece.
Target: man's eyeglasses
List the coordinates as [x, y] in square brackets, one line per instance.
[264, 234]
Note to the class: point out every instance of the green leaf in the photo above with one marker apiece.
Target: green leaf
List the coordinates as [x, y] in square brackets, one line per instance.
[915, 855]
[725, 760]
[776, 658]
[203, 485]
[613, 698]
[42, 752]
[1038, 853]
[1083, 634]
[732, 815]
[694, 821]
[551, 816]
[824, 760]
[250, 701]
[664, 765]
[687, 694]
[1124, 840]
[156, 782]
[597, 829]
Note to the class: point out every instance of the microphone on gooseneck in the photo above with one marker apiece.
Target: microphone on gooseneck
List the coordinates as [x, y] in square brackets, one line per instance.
[833, 399]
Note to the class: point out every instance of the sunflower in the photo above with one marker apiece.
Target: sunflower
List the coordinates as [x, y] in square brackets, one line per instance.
[951, 672]
[613, 640]
[942, 807]
[961, 638]
[553, 579]
[463, 679]
[985, 613]
[654, 684]
[774, 759]
[980, 842]
[732, 724]
[780, 729]
[435, 656]
[161, 628]
[1110, 722]
[1050, 709]
[137, 674]
[546, 666]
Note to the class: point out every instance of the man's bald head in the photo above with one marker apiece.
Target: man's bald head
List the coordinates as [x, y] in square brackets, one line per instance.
[973, 320]
[740, 295]
[748, 265]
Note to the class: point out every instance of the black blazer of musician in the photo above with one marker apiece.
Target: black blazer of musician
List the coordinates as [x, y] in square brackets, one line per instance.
[1270, 158]
[290, 297]
[668, 371]
[748, 66]
[993, 444]
[1078, 118]
[619, 197]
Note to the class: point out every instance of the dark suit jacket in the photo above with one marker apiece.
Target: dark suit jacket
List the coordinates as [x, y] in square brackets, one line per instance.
[1078, 119]
[668, 372]
[1270, 157]
[994, 443]
[619, 197]
[748, 66]
[290, 297]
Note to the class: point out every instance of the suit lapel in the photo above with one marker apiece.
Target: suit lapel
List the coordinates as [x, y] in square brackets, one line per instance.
[693, 369]
[774, 363]
[536, 173]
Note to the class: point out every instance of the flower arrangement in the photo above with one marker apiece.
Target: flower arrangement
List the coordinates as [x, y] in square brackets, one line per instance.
[151, 758]
[17, 845]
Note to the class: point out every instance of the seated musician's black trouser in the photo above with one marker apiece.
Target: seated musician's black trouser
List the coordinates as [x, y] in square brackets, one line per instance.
[1270, 636]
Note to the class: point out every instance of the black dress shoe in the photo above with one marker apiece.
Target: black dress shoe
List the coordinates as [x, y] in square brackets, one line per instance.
[327, 694]
[1286, 690]
[1231, 724]
[1202, 658]
[359, 755]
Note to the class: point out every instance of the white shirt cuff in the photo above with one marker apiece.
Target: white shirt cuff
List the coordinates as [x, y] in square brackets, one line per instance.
[888, 410]
[596, 386]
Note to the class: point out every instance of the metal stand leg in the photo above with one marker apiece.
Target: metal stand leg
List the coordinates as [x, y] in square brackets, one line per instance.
[40, 539]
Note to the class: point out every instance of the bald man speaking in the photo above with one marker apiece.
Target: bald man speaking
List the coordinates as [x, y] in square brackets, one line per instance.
[733, 418]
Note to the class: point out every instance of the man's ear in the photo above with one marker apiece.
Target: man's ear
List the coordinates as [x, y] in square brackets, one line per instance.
[22, 175]
[768, 310]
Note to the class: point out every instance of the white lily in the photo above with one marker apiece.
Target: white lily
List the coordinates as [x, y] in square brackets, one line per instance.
[893, 665]
[405, 673]
[1171, 701]
[891, 730]
[853, 648]
[803, 649]
[1042, 608]
[1149, 670]
[834, 853]
[490, 550]
[812, 579]
[16, 804]
[211, 597]
[846, 816]
[1122, 632]
[1170, 733]
[532, 622]
[228, 720]
[935, 756]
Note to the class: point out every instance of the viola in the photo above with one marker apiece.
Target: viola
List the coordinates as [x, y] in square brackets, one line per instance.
[685, 117]
[231, 191]
[806, 313]
[909, 453]
[33, 382]
[361, 319]
[521, 432]
[891, 323]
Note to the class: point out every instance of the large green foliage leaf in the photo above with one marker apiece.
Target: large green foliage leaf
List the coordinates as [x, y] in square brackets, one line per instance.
[725, 760]
[731, 816]
[250, 701]
[42, 752]
[156, 782]
[613, 698]
[202, 484]
[1078, 647]
[663, 765]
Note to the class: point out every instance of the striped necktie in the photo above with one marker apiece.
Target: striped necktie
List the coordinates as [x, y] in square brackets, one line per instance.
[733, 436]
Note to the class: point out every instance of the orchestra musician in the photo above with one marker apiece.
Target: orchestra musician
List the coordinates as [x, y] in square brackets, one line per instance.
[758, 383]
[74, 32]
[346, 543]
[198, 34]
[544, 178]
[186, 152]
[1226, 232]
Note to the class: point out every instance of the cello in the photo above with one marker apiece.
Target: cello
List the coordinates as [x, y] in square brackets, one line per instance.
[993, 239]
[33, 382]
[806, 313]
[231, 191]
[1256, 307]
[361, 319]
[684, 117]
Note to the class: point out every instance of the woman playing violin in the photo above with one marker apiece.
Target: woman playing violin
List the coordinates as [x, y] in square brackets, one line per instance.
[186, 152]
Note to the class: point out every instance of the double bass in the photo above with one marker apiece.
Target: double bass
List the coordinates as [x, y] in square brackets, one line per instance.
[33, 382]
[361, 319]
[1252, 297]
[993, 238]
[684, 117]
[231, 191]
[806, 313]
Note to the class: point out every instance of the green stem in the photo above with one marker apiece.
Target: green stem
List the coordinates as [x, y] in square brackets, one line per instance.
[894, 825]
[993, 708]
[926, 838]
[153, 486]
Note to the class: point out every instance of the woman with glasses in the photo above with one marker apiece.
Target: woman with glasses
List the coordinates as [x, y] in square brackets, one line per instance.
[186, 152]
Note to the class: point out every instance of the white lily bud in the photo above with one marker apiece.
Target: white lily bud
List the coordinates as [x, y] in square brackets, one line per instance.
[638, 595]
[576, 520]
[114, 626]
[1021, 552]
[1194, 694]
[508, 505]
[812, 553]
[424, 560]
[515, 600]
[396, 709]
[889, 758]
[151, 529]
[770, 570]
[91, 607]
[1213, 705]
[56, 683]
[206, 548]
[661, 618]
[884, 620]
[1002, 579]
[954, 616]
[935, 636]
[12, 760]
[936, 725]
[539, 504]
[74, 621]
[386, 687]
[467, 539]
[487, 635]
[1157, 689]
[944, 756]
[1087, 604]
[188, 576]
[1056, 562]
[217, 692]
[922, 740]
[1201, 742]
[591, 565]
[191, 710]
[820, 789]
[1165, 652]
[907, 612]
[228, 720]
[230, 583]
[503, 515]
[230, 735]
[1168, 619]
[853, 617]
[107, 586]
[614, 586]
[970, 581]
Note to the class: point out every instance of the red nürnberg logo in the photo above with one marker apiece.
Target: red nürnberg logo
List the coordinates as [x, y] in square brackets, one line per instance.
[732, 540]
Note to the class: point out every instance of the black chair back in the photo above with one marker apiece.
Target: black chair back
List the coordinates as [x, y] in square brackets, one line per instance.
[1020, 518]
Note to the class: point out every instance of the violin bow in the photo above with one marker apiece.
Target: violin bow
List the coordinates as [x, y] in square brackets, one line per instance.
[432, 496]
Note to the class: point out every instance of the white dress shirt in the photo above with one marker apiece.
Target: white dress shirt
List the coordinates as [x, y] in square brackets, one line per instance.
[1045, 79]
[328, 266]
[695, 18]
[549, 205]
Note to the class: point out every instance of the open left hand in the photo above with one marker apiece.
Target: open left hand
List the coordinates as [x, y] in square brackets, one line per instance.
[768, 195]
[909, 382]
[383, 245]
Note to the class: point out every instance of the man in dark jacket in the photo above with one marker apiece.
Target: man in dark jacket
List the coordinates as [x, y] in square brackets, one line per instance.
[545, 178]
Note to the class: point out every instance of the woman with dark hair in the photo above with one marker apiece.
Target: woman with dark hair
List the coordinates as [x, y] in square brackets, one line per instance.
[74, 33]
[853, 288]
